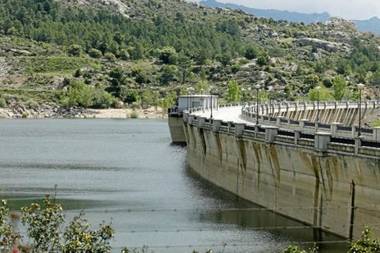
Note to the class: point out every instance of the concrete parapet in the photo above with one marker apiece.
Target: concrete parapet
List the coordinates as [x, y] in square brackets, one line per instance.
[334, 127]
[239, 129]
[216, 124]
[190, 119]
[376, 134]
[201, 121]
[321, 141]
[302, 122]
[358, 143]
[270, 133]
[297, 136]
[278, 121]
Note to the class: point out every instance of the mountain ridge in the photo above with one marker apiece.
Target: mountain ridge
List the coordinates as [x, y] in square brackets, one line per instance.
[369, 25]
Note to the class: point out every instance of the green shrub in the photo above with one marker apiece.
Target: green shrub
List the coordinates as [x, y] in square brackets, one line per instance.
[102, 99]
[80, 94]
[263, 60]
[376, 123]
[252, 52]
[74, 50]
[295, 249]
[43, 225]
[31, 104]
[134, 115]
[95, 53]
[366, 244]
[57, 64]
[110, 57]
[124, 55]
[3, 103]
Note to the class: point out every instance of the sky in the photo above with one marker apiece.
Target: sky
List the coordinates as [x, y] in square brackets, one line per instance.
[349, 9]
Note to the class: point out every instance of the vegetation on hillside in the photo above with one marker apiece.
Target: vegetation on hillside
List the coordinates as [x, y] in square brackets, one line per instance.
[145, 51]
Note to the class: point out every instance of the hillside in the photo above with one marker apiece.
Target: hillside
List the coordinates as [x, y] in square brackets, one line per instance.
[115, 53]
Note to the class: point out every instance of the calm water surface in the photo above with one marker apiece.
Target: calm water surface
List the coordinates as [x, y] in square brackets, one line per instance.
[126, 172]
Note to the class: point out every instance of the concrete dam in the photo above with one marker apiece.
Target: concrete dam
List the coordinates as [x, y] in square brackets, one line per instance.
[321, 173]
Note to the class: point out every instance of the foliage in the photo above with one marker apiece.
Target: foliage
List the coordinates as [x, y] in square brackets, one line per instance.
[8, 237]
[149, 98]
[169, 73]
[202, 87]
[295, 249]
[168, 101]
[172, 44]
[252, 52]
[339, 88]
[134, 115]
[78, 237]
[45, 233]
[3, 103]
[234, 92]
[80, 94]
[376, 123]
[43, 225]
[57, 64]
[74, 50]
[366, 244]
[321, 94]
[263, 60]
[110, 57]
[168, 55]
[95, 53]
[108, 31]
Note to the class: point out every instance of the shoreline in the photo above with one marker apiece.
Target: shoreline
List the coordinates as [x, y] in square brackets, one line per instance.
[81, 113]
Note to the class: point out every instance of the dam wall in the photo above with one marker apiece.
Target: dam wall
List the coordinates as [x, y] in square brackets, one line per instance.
[330, 183]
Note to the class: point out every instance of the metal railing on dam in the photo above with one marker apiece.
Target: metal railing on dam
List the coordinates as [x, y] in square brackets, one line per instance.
[283, 162]
[325, 137]
[320, 141]
[341, 113]
[302, 118]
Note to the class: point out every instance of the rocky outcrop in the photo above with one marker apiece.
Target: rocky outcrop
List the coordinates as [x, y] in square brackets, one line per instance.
[322, 44]
[18, 110]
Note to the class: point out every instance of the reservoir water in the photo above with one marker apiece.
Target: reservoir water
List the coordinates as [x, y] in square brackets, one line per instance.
[126, 172]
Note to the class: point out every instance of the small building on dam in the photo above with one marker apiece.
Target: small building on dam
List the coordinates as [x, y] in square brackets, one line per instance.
[307, 161]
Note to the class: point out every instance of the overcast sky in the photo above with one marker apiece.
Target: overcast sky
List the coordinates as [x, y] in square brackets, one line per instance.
[349, 9]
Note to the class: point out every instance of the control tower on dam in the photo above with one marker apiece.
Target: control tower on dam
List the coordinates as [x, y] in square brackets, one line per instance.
[311, 163]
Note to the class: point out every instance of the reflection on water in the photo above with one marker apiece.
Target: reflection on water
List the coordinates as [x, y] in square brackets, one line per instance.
[126, 172]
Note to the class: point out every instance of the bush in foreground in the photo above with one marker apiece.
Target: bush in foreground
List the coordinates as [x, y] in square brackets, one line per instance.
[44, 229]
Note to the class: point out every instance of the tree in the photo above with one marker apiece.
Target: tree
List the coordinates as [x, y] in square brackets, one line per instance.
[322, 94]
[339, 88]
[263, 60]
[168, 55]
[375, 79]
[129, 96]
[124, 55]
[202, 86]
[149, 98]
[95, 53]
[169, 74]
[110, 56]
[234, 92]
[251, 52]
[74, 50]
[184, 64]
